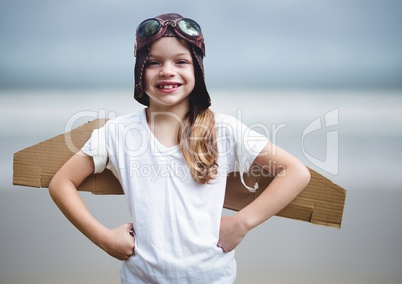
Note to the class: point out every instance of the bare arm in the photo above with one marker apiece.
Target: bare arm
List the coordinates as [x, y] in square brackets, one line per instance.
[291, 177]
[63, 190]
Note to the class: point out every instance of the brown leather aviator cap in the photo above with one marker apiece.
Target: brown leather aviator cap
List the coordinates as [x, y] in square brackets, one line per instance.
[167, 25]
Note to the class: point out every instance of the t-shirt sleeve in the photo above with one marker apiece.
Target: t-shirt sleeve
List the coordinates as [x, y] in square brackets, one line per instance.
[248, 145]
[96, 148]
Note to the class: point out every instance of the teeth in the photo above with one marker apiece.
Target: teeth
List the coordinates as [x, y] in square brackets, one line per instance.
[168, 87]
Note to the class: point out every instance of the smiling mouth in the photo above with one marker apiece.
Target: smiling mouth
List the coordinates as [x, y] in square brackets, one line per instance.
[168, 87]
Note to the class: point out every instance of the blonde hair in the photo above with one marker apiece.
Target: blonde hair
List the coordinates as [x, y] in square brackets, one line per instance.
[197, 140]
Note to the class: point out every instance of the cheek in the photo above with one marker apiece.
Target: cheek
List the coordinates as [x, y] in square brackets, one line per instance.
[147, 78]
[191, 78]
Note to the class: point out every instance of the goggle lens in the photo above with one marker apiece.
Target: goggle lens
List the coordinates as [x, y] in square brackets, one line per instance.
[148, 28]
[189, 27]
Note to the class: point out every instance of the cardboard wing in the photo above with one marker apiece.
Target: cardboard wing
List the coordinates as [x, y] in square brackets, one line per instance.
[321, 202]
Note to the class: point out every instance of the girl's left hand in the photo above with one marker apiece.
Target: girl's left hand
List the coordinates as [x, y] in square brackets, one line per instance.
[231, 233]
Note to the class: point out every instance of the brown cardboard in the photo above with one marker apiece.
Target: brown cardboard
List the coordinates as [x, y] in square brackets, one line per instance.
[321, 202]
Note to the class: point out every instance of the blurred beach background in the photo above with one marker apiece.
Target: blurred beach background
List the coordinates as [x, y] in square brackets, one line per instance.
[277, 64]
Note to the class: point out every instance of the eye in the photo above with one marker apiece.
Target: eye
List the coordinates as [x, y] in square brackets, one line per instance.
[151, 63]
[182, 61]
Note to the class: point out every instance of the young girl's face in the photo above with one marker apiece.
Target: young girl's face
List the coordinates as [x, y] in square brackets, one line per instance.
[169, 73]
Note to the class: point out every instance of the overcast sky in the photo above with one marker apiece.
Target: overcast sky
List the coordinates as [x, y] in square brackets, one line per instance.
[254, 43]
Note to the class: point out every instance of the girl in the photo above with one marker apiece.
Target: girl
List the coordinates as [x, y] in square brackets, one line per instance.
[172, 159]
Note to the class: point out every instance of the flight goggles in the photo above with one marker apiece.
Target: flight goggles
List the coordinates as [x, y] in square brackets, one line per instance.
[155, 28]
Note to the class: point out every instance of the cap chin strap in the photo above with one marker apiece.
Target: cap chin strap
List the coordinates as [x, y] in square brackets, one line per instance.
[251, 189]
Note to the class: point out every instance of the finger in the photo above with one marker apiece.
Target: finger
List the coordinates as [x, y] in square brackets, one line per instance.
[130, 228]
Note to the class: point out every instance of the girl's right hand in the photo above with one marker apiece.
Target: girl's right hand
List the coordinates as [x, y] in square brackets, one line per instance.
[119, 242]
[63, 190]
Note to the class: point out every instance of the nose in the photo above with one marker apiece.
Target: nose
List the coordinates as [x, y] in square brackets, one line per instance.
[166, 70]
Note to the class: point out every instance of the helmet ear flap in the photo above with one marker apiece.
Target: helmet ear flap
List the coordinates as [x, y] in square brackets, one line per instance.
[202, 98]
[139, 93]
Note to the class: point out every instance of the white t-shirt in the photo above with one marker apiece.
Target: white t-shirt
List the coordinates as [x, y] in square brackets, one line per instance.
[176, 220]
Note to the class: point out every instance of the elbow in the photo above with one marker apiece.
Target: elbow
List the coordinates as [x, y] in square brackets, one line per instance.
[55, 186]
[52, 187]
[305, 176]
